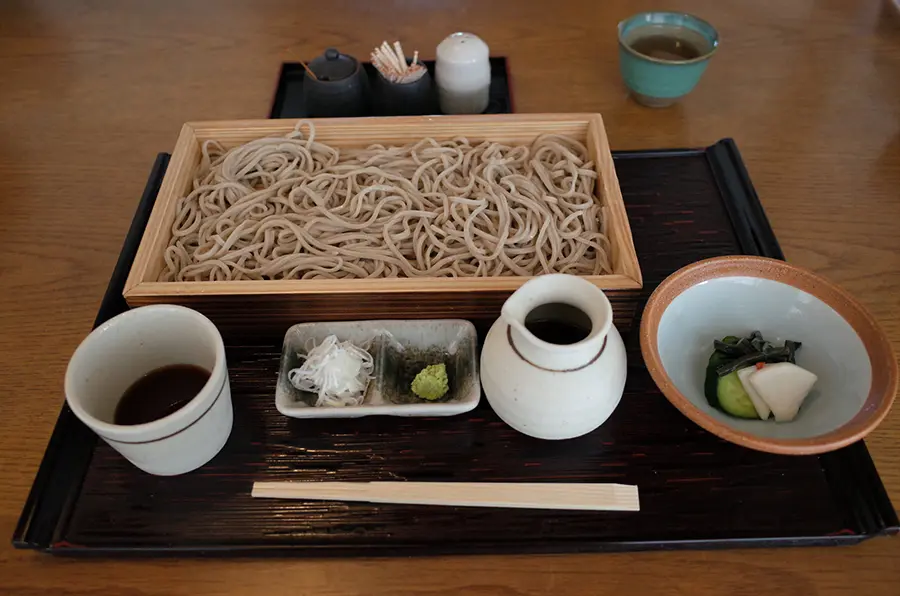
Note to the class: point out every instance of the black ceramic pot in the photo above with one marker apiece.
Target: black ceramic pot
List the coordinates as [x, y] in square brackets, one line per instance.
[340, 89]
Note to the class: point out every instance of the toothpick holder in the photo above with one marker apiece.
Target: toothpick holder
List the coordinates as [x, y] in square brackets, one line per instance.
[404, 99]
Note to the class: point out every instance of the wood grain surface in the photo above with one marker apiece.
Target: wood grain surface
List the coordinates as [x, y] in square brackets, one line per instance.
[91, 91]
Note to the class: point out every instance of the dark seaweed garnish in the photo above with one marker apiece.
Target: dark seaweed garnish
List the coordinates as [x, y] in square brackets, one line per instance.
[751, 350]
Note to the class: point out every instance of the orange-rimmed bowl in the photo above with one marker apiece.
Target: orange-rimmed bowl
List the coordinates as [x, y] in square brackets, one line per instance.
[842, 345]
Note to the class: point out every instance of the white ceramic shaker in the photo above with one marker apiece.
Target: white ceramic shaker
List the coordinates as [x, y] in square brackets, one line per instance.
[463, 74]
[554, 389]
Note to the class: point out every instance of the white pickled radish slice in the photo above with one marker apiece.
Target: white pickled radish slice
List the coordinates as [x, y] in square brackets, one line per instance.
[761, 408]
[783, 386]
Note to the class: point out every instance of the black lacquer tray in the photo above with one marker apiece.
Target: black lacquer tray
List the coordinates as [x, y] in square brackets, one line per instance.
[697, 491]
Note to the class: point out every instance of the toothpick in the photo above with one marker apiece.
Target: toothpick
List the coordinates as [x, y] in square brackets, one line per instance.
[309, 70]
[391, 63]
[400, 57]
[389, 55]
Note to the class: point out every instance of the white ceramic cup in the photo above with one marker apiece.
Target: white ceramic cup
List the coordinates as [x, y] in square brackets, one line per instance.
[127, 347]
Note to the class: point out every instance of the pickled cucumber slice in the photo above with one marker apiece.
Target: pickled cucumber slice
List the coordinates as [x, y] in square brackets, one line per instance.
[733, 399]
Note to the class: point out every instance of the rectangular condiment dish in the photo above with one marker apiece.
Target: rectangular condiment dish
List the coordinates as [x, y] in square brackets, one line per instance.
[400, 350]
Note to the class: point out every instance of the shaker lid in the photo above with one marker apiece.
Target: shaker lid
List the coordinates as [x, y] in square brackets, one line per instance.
[462, 48]
[333, 66]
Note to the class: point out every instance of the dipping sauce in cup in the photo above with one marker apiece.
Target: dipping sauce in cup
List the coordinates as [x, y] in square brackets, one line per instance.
[153, 383]
[662, 55]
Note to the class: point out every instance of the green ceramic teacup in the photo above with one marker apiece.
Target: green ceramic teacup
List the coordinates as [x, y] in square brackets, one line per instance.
[663, 54]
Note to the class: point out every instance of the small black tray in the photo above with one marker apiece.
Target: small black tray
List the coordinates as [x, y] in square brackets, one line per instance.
[288, 101]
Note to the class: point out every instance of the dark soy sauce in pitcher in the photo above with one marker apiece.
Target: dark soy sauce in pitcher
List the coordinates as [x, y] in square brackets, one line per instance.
[558, 323]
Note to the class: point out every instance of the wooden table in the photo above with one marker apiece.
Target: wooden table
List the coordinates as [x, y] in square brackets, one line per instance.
[90, 92]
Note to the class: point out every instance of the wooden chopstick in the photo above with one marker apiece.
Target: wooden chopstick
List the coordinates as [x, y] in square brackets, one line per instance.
[575, 496]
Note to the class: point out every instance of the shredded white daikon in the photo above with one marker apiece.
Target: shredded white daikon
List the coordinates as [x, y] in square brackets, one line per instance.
[339, 372]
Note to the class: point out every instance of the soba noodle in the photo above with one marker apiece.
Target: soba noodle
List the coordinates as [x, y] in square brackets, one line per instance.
[293, 208]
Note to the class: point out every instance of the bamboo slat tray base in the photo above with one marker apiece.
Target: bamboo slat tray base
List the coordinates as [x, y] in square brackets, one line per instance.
[696, 490]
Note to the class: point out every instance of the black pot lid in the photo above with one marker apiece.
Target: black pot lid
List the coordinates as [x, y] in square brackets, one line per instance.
[333, 66]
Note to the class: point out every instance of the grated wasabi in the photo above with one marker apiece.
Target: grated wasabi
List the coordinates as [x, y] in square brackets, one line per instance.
[431, 383]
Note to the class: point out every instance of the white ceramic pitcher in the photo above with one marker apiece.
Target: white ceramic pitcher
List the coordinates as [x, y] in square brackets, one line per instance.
[554, 390]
